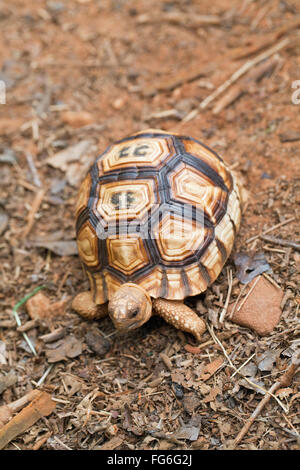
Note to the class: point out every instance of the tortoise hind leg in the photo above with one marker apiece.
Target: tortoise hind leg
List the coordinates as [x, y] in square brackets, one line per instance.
[179, 315]
[84, 304]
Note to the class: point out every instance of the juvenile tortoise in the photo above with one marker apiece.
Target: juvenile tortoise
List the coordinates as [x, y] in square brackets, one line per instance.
[156, 219]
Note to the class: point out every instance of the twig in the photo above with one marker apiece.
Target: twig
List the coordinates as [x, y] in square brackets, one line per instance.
[260, 15]
[180, 19]
[17, 318]
[283, 382]
[237, 300]
[42, 379]
[27, 326]
[240, 88]
[17, 405]
[54, 335]
[168, 113]
[280, 241]
[224, 309]
[242, 70]
[271, 280]
[248, 293]
[61, 443]
[171, 84]
[281, 224]
[243, 365]
[41, 441]
[34, 208]
[197, 349]
[215, 338]
[32, 167]
[288, 27]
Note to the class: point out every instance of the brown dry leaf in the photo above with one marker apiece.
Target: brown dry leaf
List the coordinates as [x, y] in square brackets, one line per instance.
[75, 160]
[191, 401]
[261, 310]
[250, 266]
[267, 360]
[39, 306]
[211, 368]
[178, 377]
[284, 392]
[66, 348]
[7, 381]
[212, 394]
[111, 444]
[189, 431]
[73, 385]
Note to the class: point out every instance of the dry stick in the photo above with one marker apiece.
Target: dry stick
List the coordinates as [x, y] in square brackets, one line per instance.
[33, 170]
[224, 309]
[41, 441]
[216, 340]
[248, 293]
[34, 208]
[281, 224]
[6, 411]
[240, 88]
[280, 241]
[271, 280]
[191, 21]
[260, 15]
[17, 318]
[242, 70]
[283, 382]
[287, 28]
[237, 300]
[243, 365]
[54, 335]
[41, 405]
[61, 443]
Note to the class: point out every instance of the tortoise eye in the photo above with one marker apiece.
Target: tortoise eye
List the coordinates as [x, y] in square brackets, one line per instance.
[134, 313]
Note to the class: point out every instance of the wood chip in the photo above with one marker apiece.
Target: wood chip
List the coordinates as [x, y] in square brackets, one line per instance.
[211, 368]
[111, 444]
[42, 405]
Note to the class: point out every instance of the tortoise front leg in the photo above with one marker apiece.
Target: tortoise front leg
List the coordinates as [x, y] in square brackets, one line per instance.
[84, 304]
[179, 315]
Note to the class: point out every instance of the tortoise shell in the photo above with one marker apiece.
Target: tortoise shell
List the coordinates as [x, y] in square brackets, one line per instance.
[157, 209]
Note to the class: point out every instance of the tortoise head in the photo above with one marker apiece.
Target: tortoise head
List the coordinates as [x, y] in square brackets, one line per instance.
[129, 307]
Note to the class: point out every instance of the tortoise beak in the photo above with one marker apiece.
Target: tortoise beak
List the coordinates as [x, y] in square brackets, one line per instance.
[121, 319]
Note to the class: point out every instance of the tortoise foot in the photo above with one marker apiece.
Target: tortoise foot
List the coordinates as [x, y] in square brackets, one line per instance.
[180, 315]
[84, 304]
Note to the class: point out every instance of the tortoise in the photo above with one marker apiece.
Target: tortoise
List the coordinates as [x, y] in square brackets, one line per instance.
[156, 219]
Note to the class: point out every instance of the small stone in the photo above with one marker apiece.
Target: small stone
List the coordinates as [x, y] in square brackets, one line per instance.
[118, 103]
[178, 390]
[261, 311]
